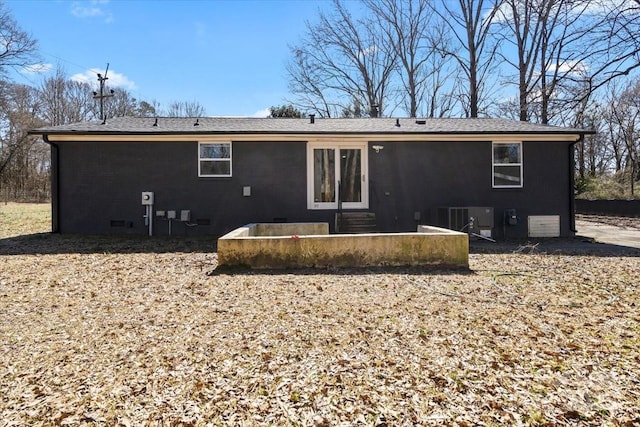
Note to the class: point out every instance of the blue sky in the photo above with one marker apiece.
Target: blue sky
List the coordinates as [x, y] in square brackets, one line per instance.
[230, 56]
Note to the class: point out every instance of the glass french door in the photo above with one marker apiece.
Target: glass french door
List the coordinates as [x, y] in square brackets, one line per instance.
[337, 176]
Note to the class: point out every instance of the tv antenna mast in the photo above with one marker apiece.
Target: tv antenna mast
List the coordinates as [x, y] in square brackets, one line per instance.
[101, 96]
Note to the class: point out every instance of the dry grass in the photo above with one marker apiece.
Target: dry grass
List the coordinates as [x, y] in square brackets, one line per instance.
[103, 332]
[24, 218]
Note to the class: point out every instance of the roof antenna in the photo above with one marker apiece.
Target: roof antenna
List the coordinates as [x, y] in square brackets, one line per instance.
[102, 95]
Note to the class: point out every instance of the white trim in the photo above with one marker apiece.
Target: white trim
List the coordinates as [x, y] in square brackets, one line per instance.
[494, 164]
[207, 159]
[364, 165]
[319, 138]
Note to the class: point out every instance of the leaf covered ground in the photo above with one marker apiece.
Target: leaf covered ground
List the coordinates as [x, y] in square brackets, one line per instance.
[129, 331]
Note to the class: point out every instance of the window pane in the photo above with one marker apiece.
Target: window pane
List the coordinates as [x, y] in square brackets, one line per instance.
[506, 153]
[212, 167]
[506, 176]
[324, 178]
[350, 175]
[215, 151]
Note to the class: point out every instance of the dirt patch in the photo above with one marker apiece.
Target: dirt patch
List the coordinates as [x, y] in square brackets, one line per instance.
[111, 334]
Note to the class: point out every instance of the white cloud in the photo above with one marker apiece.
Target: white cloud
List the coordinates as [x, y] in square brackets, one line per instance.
[368, 51]
[604, 6]
[91, 9]
[114, 79]
[37, 68]
[262, 113]
[574, 67]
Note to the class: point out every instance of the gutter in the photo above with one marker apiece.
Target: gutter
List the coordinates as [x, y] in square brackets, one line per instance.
[258, 132]
[55, 184]
[572, 184]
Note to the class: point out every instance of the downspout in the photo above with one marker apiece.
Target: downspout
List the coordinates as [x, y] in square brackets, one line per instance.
[572, 184]
[55, 180]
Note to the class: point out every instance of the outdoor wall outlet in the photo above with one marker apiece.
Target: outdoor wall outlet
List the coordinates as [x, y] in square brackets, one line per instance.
[160, 213]
[246, 191]
[171, 214]
[147, 198]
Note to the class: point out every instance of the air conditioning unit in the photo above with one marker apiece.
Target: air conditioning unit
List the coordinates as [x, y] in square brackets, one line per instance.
[470, 219]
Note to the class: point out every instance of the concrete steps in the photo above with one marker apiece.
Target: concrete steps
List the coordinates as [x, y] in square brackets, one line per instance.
[356, 222]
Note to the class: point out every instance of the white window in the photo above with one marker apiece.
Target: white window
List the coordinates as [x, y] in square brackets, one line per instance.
[336, 174]
[507, 164]
[214, 159]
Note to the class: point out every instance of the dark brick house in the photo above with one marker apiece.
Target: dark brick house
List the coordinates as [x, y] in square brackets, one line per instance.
[207, 176]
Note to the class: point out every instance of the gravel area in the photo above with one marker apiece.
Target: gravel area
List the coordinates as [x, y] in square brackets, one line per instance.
[132, 331]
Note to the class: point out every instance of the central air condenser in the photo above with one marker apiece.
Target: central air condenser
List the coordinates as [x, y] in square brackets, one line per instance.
[470, 219]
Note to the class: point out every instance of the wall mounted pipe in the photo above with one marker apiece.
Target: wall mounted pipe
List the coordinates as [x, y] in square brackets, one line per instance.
[55, 184]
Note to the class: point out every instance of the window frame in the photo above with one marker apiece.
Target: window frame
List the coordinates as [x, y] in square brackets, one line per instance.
[495, 164]
[214, 159]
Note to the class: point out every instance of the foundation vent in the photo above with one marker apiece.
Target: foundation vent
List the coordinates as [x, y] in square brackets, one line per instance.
[544, 226]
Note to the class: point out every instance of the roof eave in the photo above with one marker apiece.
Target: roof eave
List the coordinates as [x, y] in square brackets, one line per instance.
[175, 136]
[315, 133]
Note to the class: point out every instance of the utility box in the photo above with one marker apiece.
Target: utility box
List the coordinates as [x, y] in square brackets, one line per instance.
[470, 219]
[185, 216]
[147, 198]
[510, 217]
[483, 217]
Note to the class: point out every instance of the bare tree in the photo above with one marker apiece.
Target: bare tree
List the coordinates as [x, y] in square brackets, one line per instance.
[470, 25]
[611, 130]
[593, 154]
[24, 164]
[17, 48]
[625, 114]
[339, 60]
[121, 104]
[306, 82]
[546, 36]
[613, 47]
[185, 109]
[418, 37]
[65, 101]
[147, 109]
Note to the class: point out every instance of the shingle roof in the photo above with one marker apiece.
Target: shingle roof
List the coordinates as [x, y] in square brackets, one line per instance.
[234, 125]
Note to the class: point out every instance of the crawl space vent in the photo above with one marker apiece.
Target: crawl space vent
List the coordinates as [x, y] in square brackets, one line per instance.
[544, 226]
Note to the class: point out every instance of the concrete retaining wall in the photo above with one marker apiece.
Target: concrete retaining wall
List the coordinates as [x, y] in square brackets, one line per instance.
[432, 246]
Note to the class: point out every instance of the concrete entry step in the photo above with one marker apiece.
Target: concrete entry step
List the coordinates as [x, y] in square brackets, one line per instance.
[356, 222]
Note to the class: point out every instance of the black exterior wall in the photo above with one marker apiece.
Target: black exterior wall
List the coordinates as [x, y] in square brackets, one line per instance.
[100, 185]
[410, 180]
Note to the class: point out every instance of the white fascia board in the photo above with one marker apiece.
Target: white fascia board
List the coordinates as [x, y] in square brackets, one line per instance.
[356, 138]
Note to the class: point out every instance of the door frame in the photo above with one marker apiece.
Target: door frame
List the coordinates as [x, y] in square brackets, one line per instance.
[364, 167]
